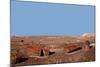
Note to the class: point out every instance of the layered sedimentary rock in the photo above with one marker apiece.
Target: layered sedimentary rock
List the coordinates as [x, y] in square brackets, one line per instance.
[59, 48]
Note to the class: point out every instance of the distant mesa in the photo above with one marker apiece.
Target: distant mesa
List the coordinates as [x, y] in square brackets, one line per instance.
[88, 35]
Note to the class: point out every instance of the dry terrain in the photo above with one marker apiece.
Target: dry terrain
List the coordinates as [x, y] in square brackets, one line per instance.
[37, 50]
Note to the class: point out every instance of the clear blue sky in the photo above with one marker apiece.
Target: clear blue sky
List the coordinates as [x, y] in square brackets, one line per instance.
[28, 18]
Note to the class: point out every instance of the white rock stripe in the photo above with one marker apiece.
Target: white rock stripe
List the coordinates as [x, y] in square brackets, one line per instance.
[83, 2]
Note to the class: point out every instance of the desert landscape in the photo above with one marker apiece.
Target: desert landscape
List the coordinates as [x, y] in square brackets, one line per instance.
[39, 50]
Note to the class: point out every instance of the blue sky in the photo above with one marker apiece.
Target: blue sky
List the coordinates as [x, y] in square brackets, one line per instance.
[28, 18]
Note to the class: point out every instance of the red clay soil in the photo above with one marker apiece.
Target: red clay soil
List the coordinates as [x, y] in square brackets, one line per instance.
[78, 56]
